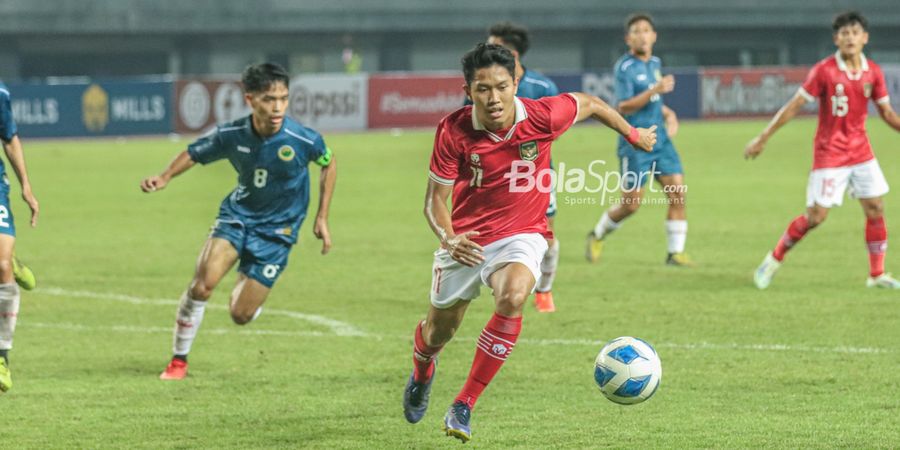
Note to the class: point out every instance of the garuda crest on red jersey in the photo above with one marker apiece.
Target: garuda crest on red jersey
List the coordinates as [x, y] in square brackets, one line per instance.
[528, 150]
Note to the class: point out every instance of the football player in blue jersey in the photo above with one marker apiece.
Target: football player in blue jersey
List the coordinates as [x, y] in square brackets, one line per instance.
[639, 89]
[533, 85]
[258, 221]
[12, 272]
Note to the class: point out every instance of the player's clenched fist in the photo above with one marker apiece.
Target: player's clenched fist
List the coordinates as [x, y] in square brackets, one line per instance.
[646, 138]
[665, 85]
[154, 183]
[754, 148]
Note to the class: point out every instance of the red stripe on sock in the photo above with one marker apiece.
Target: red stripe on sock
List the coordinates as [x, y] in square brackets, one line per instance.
[494, 346]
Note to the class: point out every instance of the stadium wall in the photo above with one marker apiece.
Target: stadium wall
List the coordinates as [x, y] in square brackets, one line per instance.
[342, 102]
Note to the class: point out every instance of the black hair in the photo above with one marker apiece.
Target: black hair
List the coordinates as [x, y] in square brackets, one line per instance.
[637, 17]
[513, 35]
[260, 77]
[849, 18]
[486, 55]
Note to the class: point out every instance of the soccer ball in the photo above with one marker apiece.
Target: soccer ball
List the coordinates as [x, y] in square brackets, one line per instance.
[627, 370]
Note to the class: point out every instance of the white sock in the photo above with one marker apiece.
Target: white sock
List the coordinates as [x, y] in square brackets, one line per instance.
[605, 226]
[9, 310]
[187, 322]
[256, 314]
[548, 267]
[676, 235]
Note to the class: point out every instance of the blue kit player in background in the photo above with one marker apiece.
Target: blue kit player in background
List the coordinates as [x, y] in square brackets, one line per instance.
[258, 221]
[639, 89]
[532, 85]
[11, 270]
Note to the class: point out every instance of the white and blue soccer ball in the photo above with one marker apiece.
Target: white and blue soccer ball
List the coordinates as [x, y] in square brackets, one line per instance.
[627, 370]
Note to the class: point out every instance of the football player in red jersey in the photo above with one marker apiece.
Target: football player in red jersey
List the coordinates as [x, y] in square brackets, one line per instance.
[494, 157]
[843, 84]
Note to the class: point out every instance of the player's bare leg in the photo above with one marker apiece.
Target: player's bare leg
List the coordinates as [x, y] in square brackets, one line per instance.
[247, 299]
[676, 219]
[876, 242]
[512, 285]
[611, 220]
[798, 228]
[543, 295]
[430, 337]
[9, 308]
[216, 259]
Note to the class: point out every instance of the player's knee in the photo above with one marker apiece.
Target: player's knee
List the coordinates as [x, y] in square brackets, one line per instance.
[511, 301]
[241, 317]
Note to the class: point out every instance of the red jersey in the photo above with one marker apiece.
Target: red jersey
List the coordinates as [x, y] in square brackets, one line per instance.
[481, 165]
[843, 97]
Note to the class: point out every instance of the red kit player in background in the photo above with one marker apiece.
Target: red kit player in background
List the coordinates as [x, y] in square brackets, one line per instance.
[843, 84]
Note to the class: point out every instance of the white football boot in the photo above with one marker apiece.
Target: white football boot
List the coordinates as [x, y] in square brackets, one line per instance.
[766, 270]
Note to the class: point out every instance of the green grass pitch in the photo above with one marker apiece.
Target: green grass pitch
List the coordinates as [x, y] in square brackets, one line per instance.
[812, 362]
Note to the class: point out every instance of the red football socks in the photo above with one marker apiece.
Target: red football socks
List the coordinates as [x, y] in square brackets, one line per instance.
[795, 231]
[495, 344]
[876, 241]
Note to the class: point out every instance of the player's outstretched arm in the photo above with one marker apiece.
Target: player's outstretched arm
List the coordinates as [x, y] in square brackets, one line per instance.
[783, 116]
[16, 158]
[889, 115]
[179, 165]
[438, 215]
[590, 106]
[327, 180]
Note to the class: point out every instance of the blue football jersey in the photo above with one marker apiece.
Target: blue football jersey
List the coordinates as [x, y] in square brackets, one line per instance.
[273, 175]
[8, 127]
[634, 76]
[535, 85]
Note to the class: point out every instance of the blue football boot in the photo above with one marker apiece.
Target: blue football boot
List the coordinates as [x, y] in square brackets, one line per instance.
[415, 397]
[456, 422]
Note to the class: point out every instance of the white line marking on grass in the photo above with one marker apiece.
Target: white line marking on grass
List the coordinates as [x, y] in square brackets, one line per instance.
[164, 330]
[337, 327]
[711, 346]
[343, 329]
[779, 348]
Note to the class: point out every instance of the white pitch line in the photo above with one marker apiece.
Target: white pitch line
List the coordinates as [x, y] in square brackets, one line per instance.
[337, 327]
[343, 329]
[712, 346]
[163, 330]
[525, 341]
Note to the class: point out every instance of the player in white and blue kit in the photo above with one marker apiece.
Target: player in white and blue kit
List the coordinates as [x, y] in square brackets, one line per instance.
[11, 270]
[533, 85]
[639, 89]
[258, 221]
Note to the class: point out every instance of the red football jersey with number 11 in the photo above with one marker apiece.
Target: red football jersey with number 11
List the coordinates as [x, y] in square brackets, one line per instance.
[843, 97]
[479, 164]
